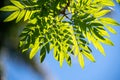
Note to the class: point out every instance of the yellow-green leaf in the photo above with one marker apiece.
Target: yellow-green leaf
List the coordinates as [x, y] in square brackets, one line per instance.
[21, 15]
[17, 3]
[109, 21]
[101, 13]
[35, 48]
[27, 15]
[88, 2]
[107, 41]
[81, 60]
[103, 32]
[88, 36]
[107, 2]
[9, 8]
[75, 46]
[111, 29]
[61, 58]
[12, 16]
[100, 48]
[89, 56]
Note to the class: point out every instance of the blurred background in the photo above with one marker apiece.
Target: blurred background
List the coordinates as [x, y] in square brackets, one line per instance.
[17, 66]
[13, 64]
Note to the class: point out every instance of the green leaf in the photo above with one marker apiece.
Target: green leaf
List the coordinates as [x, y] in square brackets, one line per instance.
[12, 16]
[82, 16]
[68, 59]
[42, 54]
[111, 29]
[17, 3]
[27, 16]
[97, 35]
[101, 13]
[89, 56]
[102, 32]
[96, 24]
[89, 19]
[20, 16]
[55, 54]
[9, 8]
[35, 49]
[48, 47]
[81, 60]
[69, 42]
[109, 21]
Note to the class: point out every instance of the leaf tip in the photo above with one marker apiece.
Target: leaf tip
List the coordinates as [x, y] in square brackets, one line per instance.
[82, 67]
[30, 56]
[104, 54]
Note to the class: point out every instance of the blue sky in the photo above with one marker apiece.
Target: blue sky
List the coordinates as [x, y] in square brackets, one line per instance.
[105, 68]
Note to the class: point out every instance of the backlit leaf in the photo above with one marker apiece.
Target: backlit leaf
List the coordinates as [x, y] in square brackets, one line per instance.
[81, 60]
[111, 29]
[35, 49]
[66, 26]
[12, 16]
[107, 41]
[17, 3]
[97, 35]
[20, 16]
[101, 13]
[68, 59]
[109, 21]
[27, 15]
[107, 2]
[9, 8]
[100, 47]
[61, 58]
[89, 56]
[55, 54]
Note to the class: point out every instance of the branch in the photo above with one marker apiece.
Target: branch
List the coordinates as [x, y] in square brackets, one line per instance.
[64, 9]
